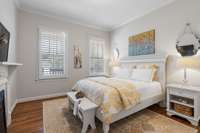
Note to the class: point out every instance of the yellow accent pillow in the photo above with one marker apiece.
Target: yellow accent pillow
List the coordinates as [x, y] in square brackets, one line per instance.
[154, 68]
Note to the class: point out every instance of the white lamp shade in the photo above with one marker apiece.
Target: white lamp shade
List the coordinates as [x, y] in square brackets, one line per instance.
[115, 61]
[189, 62]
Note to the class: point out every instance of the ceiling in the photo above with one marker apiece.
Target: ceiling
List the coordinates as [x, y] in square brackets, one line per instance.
[104, 14]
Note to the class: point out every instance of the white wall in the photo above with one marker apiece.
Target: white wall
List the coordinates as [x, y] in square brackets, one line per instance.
[78, 35]
[8, 18]
[168, 22]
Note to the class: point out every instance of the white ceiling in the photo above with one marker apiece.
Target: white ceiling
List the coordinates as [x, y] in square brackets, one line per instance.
[105, 14]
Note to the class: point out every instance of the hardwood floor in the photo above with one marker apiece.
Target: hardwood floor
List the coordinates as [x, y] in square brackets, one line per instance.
[27, 117]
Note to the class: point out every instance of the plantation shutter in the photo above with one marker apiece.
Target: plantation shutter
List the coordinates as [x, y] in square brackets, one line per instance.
[97, 61]
[51, 54]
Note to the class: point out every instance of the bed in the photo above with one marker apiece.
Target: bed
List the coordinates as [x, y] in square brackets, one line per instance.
[150, 92]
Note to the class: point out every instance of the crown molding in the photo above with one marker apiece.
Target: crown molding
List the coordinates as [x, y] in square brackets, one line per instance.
[93, 26]
[65, 19]
[140, 16]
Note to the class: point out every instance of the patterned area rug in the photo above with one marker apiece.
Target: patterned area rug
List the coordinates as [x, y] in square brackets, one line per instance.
[58, 118]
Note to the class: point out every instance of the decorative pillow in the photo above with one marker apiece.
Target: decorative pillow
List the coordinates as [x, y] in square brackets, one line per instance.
[142, 74]
[142, 66]
[154, 72]
[122, 73]
[154, 68]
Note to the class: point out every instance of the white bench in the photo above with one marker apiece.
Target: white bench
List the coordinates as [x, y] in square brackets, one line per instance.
[72, 101]
[85, 109]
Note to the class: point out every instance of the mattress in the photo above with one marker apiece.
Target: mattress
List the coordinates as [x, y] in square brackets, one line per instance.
[147, 89]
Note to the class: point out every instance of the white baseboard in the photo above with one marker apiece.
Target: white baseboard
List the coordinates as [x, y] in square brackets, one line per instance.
[9, 119]
[13, 107]
[28, 99]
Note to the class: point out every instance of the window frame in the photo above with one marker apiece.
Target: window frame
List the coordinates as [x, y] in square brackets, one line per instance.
[66, 55]
[104, 57]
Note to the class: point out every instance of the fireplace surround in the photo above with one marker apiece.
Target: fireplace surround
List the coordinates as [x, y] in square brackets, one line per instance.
[3, 127]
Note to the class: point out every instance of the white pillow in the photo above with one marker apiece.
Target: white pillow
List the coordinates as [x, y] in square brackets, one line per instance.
[142, 74]
[123, 73]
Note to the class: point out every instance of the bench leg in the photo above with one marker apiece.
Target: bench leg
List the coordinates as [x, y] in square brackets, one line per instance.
[85, 127]
[106, 128]
[92, 124]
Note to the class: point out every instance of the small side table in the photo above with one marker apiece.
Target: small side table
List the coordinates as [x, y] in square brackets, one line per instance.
[180, 99]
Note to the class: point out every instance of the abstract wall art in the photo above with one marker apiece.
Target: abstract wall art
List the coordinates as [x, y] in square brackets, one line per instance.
[142, 44]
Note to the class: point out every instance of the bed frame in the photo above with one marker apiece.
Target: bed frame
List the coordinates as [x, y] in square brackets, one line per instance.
[160, 61]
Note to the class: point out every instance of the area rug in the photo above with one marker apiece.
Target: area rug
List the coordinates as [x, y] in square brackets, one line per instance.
[58, 118]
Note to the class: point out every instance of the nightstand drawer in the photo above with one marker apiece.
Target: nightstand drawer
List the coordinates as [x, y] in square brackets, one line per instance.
[183, 93]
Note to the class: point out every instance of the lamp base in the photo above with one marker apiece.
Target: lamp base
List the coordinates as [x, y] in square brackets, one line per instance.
[185, 81]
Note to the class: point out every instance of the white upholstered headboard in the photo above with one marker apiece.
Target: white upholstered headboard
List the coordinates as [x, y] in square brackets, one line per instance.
[160, 61]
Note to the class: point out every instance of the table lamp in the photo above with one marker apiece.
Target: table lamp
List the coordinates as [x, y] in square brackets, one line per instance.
[188, 63]
[115, 61]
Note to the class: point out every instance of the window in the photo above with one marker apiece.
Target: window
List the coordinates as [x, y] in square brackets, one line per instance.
[52, 54]
[96, 56]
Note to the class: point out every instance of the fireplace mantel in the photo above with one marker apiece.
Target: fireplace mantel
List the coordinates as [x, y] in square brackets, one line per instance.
[3, 81]
[7, 82]
[10, 64]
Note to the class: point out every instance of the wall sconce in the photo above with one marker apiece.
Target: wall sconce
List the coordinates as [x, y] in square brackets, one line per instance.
[188, 43]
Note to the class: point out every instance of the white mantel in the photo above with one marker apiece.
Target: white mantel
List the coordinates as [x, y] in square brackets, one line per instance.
[3, 81]
[7, 71]
[10, 64]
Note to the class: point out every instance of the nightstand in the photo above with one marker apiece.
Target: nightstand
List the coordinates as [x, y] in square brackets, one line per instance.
[184, 101]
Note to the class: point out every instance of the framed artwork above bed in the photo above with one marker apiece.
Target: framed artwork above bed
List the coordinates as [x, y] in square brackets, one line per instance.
[142, 44]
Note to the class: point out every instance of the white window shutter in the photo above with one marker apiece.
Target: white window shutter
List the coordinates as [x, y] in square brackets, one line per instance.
[51, 54]
[96, 59]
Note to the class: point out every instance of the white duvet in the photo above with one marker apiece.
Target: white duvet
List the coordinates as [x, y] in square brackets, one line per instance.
[95, 93]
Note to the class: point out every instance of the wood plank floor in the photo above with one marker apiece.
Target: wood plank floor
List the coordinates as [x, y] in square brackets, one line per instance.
[27, 117]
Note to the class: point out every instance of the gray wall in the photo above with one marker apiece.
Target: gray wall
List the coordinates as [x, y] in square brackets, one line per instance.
[168, 22]
[78, 35]
[8, 17]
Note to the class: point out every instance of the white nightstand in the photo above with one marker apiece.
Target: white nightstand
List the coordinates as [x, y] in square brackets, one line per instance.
[184, 98]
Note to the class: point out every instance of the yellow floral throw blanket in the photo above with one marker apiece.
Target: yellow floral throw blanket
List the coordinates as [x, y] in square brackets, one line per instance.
[111, 94]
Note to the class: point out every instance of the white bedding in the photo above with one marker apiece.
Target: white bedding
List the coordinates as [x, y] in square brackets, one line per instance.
[147, 89]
